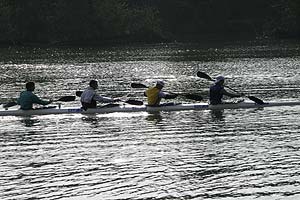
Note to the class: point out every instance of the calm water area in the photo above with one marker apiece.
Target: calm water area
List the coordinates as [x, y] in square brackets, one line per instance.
[227, 155]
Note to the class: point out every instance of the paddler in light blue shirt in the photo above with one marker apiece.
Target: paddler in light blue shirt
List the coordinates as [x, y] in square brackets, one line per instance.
[28, 98]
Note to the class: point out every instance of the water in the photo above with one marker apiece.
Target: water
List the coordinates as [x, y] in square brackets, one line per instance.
[232, 154]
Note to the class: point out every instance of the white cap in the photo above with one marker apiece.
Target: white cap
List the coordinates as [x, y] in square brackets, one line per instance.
[160, 83]
[219, 78]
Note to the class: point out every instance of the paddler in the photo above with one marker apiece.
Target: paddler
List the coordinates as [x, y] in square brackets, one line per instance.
[217, 91]
[89, 97]
[155, 94]
[28, 98]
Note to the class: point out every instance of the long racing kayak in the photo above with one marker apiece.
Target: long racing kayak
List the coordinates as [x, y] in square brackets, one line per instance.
[143, 108]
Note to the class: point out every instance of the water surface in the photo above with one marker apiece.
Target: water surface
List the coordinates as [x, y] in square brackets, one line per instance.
[231, 154]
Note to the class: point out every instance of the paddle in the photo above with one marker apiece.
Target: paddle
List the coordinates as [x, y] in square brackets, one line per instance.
[66, 98]
[252, 98]
[172, 95]
[129, 101]
[63, 99]
[10, 104]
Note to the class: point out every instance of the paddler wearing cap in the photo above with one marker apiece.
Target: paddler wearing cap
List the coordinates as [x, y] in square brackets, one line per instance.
[155, 94]
[217, 91]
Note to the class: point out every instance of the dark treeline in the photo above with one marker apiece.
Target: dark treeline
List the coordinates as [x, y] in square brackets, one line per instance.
[105, 21]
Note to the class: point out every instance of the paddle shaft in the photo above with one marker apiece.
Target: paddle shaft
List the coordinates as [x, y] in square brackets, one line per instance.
[207, 77]
[129, 101]
[66, 98]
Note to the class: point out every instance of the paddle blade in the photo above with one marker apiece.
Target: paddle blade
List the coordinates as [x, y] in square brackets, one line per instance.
[256, 100]
[78, 93]
[138, 85]
[195, 97]
[134, 102]
[9, 104]
[110, 105]
[67, 98]
[204, 75]
[171, 96]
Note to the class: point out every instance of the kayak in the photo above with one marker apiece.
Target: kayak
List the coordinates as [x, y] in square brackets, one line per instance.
[111, 108]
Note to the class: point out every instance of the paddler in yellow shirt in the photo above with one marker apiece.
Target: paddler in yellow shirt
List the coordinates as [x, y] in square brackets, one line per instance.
[155, 94]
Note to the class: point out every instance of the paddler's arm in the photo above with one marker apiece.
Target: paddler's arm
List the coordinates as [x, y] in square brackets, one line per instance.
[104, 99]
[167, 95]
[231, 94]
[36, 99]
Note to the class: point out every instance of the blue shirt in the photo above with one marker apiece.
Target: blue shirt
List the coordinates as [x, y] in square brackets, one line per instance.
[27, 99]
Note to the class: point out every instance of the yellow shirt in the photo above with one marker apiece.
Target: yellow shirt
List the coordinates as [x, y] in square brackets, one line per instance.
[153, 96]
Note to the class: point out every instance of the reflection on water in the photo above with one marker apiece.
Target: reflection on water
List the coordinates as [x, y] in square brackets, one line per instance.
[225, 155]
[217, 115]
[90, 118]
[30, 122]
[154, 117]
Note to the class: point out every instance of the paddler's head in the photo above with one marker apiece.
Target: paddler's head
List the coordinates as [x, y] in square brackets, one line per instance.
[160, 84]
[94, 84]
[220, 80]
[30, 86]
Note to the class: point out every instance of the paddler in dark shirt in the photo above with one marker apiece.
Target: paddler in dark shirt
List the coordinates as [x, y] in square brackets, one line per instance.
[28, 98]
[217, 91]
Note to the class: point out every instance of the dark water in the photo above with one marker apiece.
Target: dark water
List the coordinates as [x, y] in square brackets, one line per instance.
[232, 154]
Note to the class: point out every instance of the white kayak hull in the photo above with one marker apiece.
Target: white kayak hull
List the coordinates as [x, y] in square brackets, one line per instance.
[130, 108]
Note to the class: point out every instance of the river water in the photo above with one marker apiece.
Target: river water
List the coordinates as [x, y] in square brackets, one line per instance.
[226, 155]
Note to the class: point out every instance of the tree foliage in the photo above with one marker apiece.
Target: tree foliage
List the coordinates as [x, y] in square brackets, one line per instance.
[283, 19]
[100, 21]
